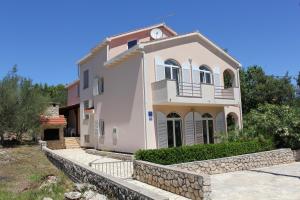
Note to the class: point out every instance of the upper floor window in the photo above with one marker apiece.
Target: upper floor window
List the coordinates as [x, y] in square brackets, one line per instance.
[228, 78]
[98, 87]
[85, 79]
[205, 75]
[78, 90]
[172, 69]
[131, 43]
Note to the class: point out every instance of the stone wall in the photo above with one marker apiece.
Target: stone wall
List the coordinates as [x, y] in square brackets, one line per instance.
[241, 162]
[113, 187]
[181, 182]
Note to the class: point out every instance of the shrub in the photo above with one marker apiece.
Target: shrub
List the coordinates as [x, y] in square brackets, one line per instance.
[280, 122]
[167, 156]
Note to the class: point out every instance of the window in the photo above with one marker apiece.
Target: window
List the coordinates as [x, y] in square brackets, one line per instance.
[131, 43]
[86, 105]
[86, 138]
[85, 79]
[205, 75]
[102, 127]
[171, 69]
[98, 87]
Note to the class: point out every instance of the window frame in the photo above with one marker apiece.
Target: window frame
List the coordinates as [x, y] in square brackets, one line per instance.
[203, 75]
[85, 79]
[136, 42]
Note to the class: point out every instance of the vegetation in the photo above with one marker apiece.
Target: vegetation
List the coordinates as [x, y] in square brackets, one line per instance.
[258, 88]
[280, 122]
[22, 102]
[167, 156]
[25, 178]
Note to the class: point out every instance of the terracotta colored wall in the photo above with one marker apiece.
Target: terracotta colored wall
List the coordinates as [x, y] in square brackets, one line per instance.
[119, 45]
[73, 96]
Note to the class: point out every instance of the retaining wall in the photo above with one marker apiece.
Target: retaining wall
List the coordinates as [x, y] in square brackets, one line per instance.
[238, 163]
[178, 181]
[113, 187]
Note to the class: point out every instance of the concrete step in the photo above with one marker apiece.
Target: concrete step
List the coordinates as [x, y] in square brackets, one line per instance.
[72, 142]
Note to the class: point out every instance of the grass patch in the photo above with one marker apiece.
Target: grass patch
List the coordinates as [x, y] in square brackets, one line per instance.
[23, 170]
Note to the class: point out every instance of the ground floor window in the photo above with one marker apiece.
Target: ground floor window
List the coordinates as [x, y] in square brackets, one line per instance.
[208, 128]
[174, 130]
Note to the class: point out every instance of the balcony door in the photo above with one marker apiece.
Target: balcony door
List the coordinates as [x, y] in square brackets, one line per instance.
[174, 130]
[208, 128]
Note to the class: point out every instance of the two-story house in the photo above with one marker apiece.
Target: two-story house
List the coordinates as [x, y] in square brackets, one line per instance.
[153, 88]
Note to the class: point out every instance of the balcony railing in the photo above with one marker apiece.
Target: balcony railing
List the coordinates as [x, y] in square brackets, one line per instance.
[188, 89]
[224, 93]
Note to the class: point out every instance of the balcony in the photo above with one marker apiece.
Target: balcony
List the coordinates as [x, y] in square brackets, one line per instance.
[168, 92]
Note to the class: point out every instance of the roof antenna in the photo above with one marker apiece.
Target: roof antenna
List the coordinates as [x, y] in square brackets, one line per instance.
[163, 18]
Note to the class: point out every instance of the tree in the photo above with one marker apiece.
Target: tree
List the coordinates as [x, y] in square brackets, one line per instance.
[298, 80]
[56, 93]
[20, 105]
[258, 88]
[31, 103]
[8, 101]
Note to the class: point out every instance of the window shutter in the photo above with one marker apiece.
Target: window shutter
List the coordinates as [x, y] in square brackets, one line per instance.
[95, 86]
[189, 129]
[220, 123]
[186, 73]
[161, 130]
[159, 69]
[198, 128]
[217, 77]
[196, 74]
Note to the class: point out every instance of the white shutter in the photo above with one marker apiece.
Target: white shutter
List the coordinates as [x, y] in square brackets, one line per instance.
[97, 128]
[186, 73]
[189, 131]
[159, 69]
[95, 86]
[220, 123]
[196, 74]
[161, 130]
[198, 128]
[217, 77]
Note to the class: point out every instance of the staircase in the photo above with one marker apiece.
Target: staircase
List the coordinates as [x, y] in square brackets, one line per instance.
[72, 142]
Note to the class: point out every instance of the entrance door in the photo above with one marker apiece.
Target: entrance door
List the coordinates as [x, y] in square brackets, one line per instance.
[174, 130]
[208, 128]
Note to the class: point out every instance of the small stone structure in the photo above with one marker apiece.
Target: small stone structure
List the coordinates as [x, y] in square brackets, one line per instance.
[53, 127]
[238, 163]
[114, 188]
[181, 182]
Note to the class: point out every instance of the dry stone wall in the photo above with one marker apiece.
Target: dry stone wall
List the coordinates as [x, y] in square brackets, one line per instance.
[178, 181]
[114, 188]
[238, 163]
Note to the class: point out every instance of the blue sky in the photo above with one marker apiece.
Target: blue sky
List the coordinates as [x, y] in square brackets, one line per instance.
[45, 38]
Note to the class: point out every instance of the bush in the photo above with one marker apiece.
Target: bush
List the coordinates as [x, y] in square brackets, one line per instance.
[280, 122]
[167, 156]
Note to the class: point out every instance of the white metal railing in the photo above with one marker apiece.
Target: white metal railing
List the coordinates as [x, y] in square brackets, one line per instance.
[189, 89]
[120, 169]
[225, 93]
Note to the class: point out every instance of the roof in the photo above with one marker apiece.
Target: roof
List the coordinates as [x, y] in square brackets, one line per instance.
[141, 46]
[73, 83]
[108, 39]
[59, 120]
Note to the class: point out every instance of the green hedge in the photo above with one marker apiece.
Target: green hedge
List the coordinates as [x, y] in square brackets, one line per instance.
[168, 156]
